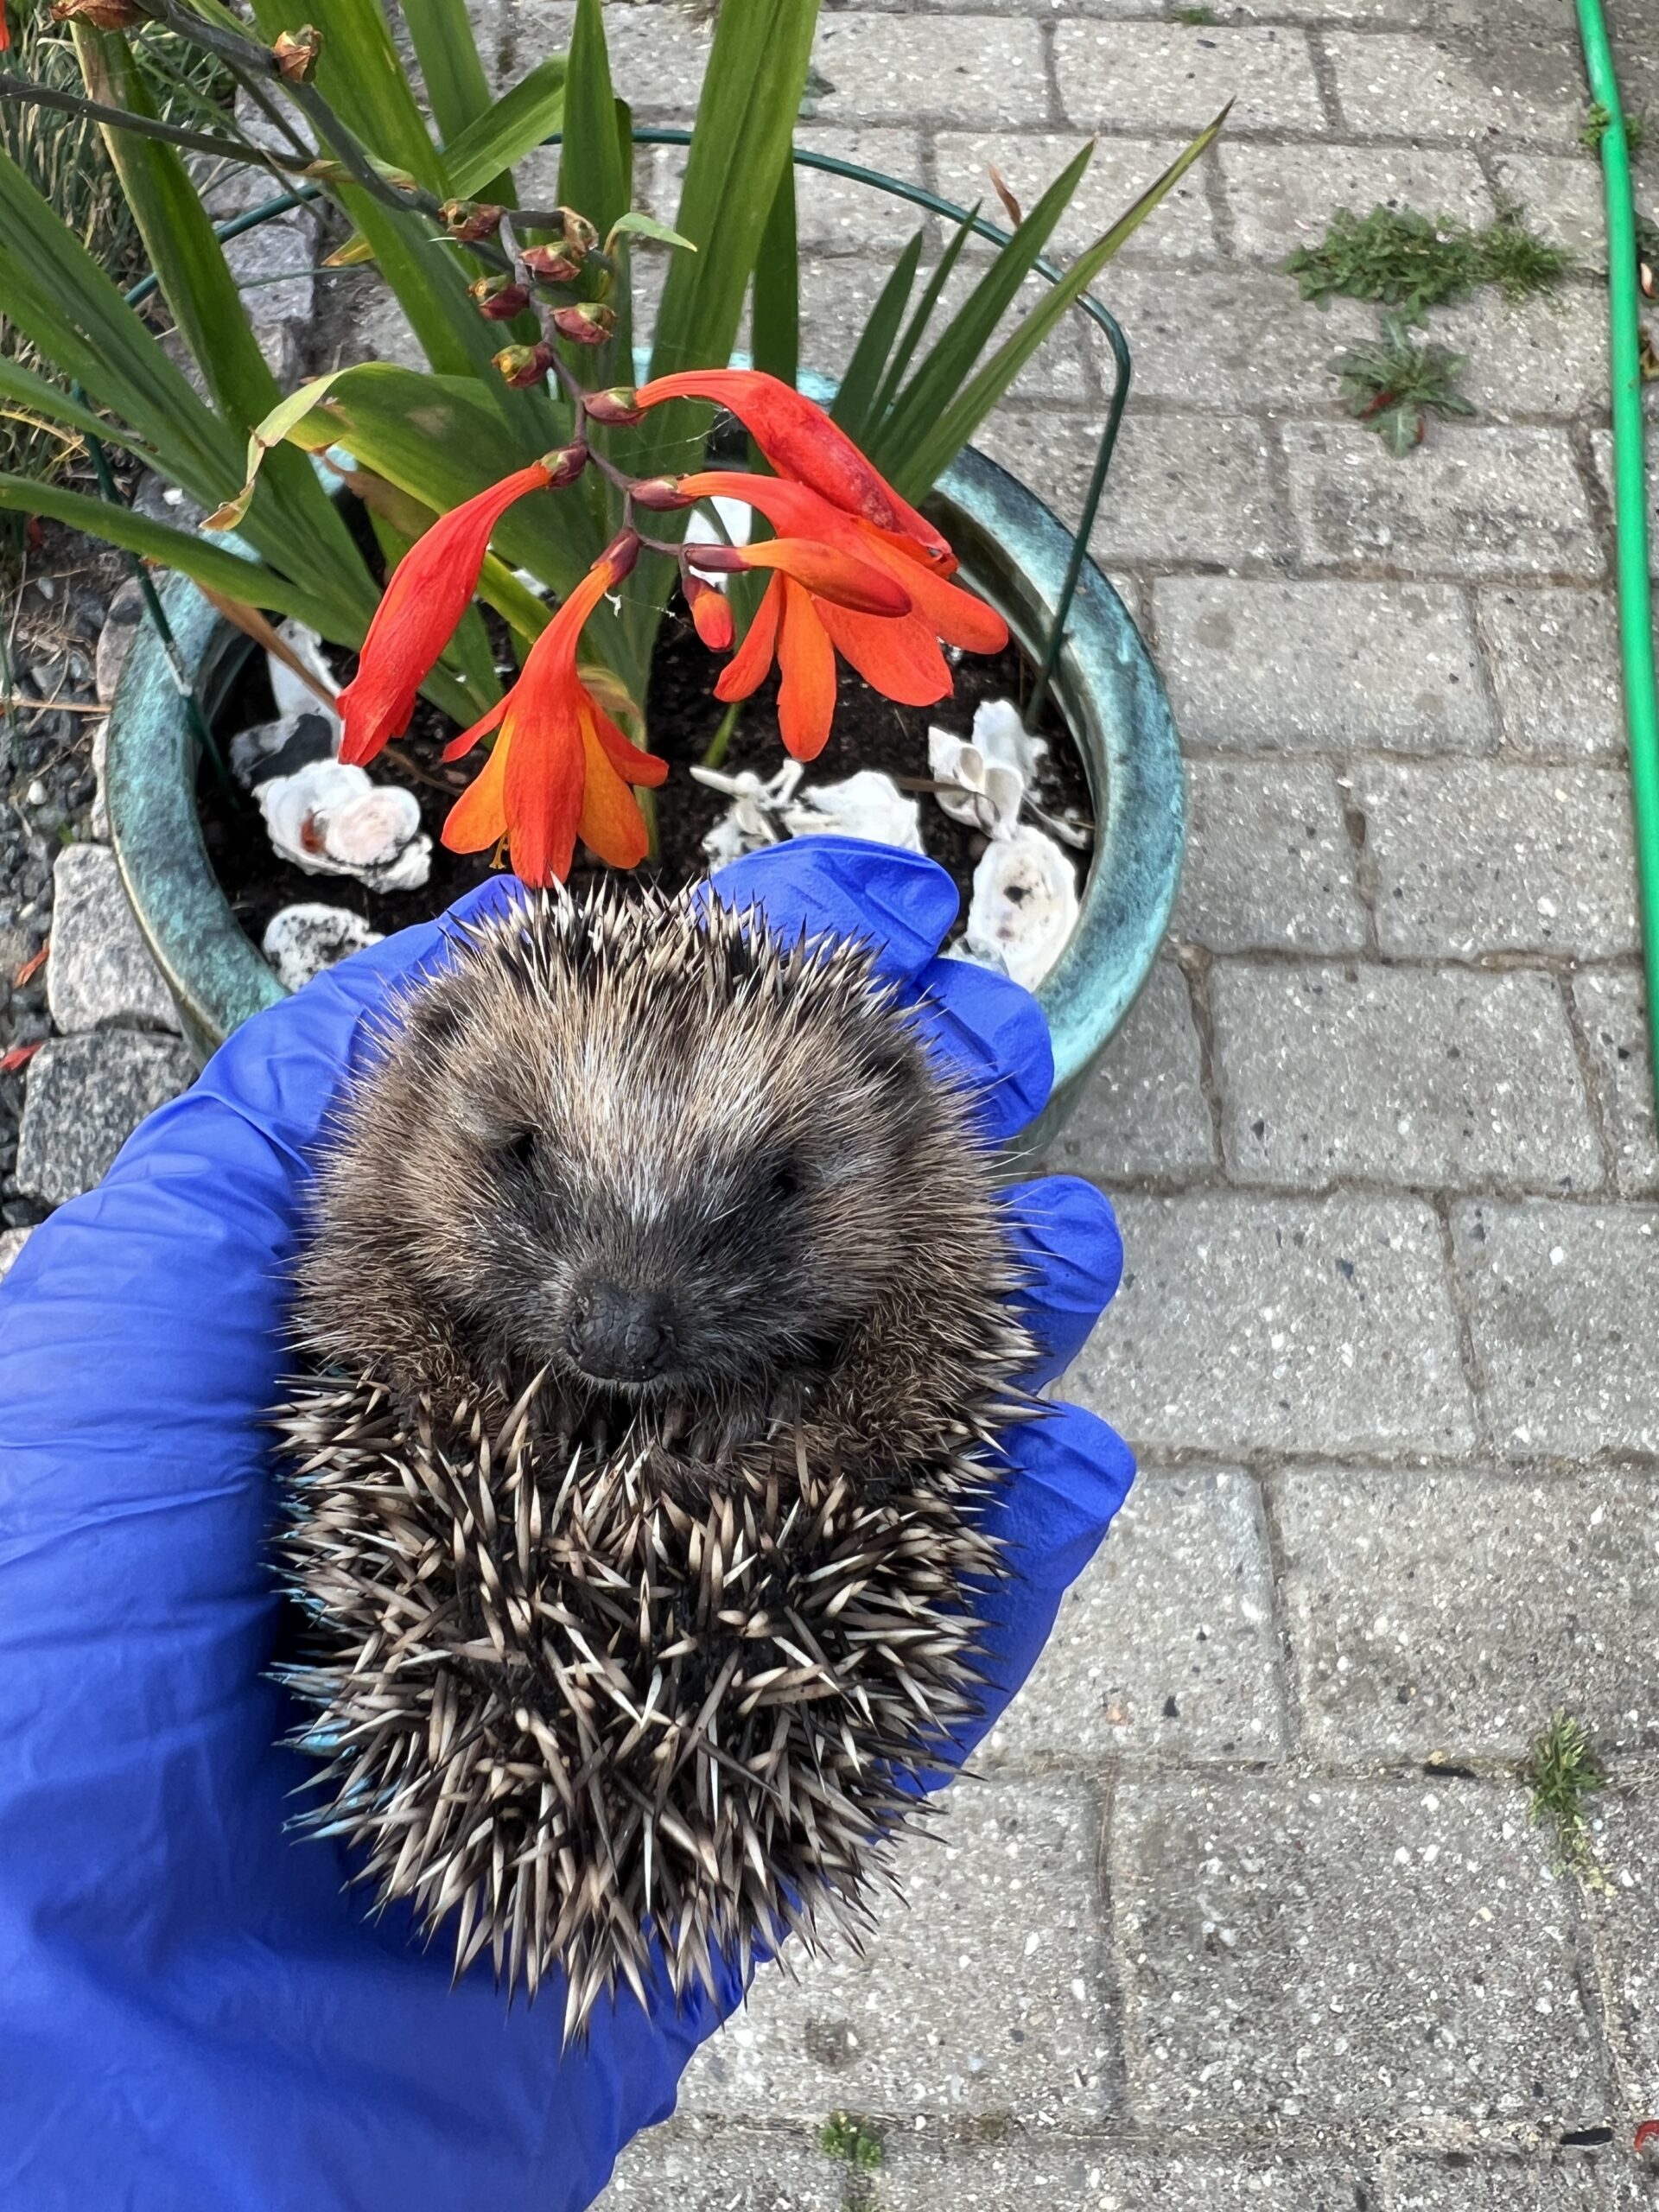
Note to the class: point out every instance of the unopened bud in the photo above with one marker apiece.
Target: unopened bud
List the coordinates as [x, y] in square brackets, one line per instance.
[578, 233]
[717, 560]
[296, 52]
[711, 614]
[564, 465]
[589, 323]
[549, 265]
[615, 406]
[102, 14]
[499, 298]
[525, 365]
[469, 220]
[621, 553]
[659, 493]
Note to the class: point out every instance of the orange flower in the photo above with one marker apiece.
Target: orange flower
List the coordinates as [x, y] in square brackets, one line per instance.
[842, 585]
[560, 769]
[429, 593]
[5, 28]
[805, 447]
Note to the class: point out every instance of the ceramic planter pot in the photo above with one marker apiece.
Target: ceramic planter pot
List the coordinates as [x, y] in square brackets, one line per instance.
[1012, 551]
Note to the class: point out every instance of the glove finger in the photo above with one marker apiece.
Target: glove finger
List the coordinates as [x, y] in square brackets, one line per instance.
[901, 903]
[1066, 1237]
[991, 1035]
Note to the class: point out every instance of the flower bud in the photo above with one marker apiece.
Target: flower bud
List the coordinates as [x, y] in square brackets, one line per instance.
[588, 322]
[525, 365]
[615, 406]
[499, 298]
[717, 560]
[469, 220]
[578, 233]
[659, 493]
[711, 614]
[564, 464]
[295, 54]
[548, 266]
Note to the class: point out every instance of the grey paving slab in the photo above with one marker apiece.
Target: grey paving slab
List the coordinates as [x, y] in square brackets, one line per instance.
[1475, 501]
[1084, 2176]
[1554, 655]
[1542, 356]
[658, 53]
[1454, 1612]
[1499, 856]
[1570, 2182]
[1282, 197]
[1165, 1644]
[1560, 194]
[1269, 863]
[1260, 666]
[690, 2166]
[832, 213]
[978, 69]
[1143, 1112]
[12, 1241]
[1419, 1076]
[1611, 1008]
[1181, 229]
[1625, 1839]
[1254, 1323]
[85, 1096]
[837, 296]
[986, 1994]
[1346, 1951]
[1564, 1305]
[1141, 75]
[1423, 87]
[1230, 337]
[101, 972]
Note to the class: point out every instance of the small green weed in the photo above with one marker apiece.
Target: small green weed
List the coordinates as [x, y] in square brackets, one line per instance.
[854, 2141]
[1563, 1775]
[1597, 121]
[1391, 386]
[1198, 17]
[1413, 262]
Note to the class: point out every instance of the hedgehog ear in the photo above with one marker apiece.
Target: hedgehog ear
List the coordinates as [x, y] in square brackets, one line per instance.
[491, 1118]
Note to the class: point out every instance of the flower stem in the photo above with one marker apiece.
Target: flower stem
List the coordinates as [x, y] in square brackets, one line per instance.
[721, 738]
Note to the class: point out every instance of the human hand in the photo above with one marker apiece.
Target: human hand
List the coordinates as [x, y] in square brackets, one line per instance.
[194, 2012]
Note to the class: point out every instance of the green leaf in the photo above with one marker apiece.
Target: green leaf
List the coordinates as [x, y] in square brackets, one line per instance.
[360, 75]
[593, 164]
[646, 226]
[25, 389]
[284, 418]
[775, 303]
[518, 121]
[855, 399]
[915, 329]
[455, 83]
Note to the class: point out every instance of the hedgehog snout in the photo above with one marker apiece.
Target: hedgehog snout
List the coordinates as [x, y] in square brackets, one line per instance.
[620, 1334]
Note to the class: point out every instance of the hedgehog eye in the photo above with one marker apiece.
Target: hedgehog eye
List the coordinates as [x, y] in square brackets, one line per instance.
[786, 1181]
[517, 1152]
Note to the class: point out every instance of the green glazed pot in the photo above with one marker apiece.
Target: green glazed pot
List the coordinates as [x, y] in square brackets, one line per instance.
[1013, 552]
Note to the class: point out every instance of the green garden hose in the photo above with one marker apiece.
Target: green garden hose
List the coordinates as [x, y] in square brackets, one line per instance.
[1630, 499]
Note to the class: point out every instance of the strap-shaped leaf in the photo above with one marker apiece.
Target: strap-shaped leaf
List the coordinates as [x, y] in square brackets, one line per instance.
[775, 306]
[855, 399]
[915, 329]
[457, 84]
[506, 132]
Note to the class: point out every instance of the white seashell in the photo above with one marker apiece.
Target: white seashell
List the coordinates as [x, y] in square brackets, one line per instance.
[278, 748]
[1023, 907]
[1001, 735]
[301, 941]
[986, 794]
[868, 804]
[294, 696]
[753, 818]
[330, 820]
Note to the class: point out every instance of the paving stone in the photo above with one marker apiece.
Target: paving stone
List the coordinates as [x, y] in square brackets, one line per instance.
[1373, 1952]
[1087, 2176]
[1565, 1311]
[1562, 196]
[101, 971]
[1416, 88]
[1410, 1075]
[1626, 1844]
[1572, 2183]
[1181, 229]
[1143, 1111]
[966, 69]
[1499, 856]
[1165, 1644]
[1612, 1007]
[1228, 337]
[1281, 1325]
[688, 2166]
[987, 1995]
[1282, 197]
[1193, 489]
[1455, 1612]
[1329, 666]
[831, 214]
[837, 296]
[1554, 655]
[1269, 863]
[1475, 501]
[658, 53]
[12, 1241]
[1542, 356]
[1126, 76]
[85, 1096]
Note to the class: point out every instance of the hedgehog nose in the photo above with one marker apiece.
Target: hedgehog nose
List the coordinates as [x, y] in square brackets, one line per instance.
[619, 1335]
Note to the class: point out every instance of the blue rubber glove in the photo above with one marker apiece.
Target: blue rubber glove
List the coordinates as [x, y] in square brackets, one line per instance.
[194, 2017]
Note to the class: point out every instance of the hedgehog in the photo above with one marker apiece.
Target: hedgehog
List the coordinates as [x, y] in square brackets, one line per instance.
[653, 1342]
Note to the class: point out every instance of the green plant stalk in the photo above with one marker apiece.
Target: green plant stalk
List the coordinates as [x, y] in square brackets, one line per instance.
[1629, 500]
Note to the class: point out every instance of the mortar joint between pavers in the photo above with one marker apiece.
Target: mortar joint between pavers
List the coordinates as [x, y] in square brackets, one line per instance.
[1600, 1114]
[1324, 76]
[1474, 1375]
[1195, 962]
[1357, 829]
[1287, 1665]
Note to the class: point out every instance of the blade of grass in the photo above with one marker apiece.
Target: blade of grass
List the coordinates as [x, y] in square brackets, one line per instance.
[855, 399]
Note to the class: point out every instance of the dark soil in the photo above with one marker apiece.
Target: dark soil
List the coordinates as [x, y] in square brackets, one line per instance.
[683, 715]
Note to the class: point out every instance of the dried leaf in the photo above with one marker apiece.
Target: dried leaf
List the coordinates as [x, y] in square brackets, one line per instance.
[1010, 205]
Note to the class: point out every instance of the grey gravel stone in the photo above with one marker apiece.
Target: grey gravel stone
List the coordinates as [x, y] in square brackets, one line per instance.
[1165, 1644]
[1282, 197]
[1417, 87]
[1143, 1112]
[1613, 1008]
[1565, 1310]
[687, 2165]
[1476, 501]
[1181, 229]
[1499, 857]
[1572, 2182]
[1386, 1952]
[1554, 663]
[1141, 76]
[12, 1241]
[1407, 1075]
[1084, 2175]
[1269, 863]
[1280, 1325]
[987, 1995]
[115, 638]
[1454, 1612]
[101, 973]
[1284, 667]
[970, 69]
[85, 1096]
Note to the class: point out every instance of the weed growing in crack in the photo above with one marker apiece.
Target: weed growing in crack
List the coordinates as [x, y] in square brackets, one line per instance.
[854, 2141]
[1412, 261]
[1391, 386]
[1597, 121]
[1563, 1775]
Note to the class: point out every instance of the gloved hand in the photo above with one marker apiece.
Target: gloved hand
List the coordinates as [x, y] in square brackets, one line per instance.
[194, 2015]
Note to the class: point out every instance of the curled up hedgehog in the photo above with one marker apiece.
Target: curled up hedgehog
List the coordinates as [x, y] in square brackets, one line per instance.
[656, 1340]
